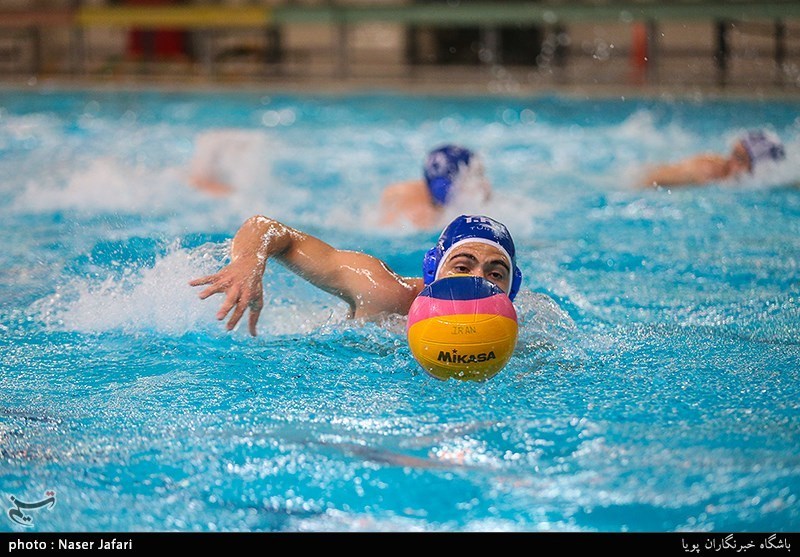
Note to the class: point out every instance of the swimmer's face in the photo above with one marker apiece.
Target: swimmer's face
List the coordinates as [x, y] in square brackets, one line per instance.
[480, 260]
[740, 160]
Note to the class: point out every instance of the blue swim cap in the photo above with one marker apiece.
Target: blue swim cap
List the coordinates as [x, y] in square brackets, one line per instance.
[472, 228]
[762, 145]
[441, 168]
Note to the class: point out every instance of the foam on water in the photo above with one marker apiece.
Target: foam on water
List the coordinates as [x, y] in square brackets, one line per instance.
[156, 298]
[106, 186]
[159, 299]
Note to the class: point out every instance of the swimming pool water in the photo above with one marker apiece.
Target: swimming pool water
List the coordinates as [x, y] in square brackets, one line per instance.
[655, 386]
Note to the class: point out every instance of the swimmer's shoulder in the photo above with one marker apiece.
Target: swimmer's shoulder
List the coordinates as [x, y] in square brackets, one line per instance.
[408, 188]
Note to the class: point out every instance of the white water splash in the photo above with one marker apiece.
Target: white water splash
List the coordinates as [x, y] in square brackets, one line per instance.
[107, 185]
[160, 298]
[149, 298]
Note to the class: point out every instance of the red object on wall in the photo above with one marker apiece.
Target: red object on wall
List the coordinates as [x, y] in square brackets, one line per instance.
[639, 52]
[156, 43]
[639, 45]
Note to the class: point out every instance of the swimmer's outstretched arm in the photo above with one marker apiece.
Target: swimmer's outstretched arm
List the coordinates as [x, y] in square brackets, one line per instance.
[693, 171]
[210, 185]
[366, 283]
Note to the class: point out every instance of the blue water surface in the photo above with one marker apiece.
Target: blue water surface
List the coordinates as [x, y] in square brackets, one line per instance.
[655, 385]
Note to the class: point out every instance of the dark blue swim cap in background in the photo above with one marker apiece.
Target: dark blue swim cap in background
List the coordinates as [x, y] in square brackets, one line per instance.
[476, 228]
[762, 145]
[442, 165]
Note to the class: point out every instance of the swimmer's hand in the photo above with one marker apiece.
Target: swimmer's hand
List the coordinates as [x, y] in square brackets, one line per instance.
[241, 283]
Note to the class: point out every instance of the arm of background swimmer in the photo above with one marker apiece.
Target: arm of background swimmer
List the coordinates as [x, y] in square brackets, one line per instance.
[203, 168]
[209, 185]
[364, 282]
[693, 171]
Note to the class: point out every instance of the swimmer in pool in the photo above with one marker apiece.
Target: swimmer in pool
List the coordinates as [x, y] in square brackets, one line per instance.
[451, 173]
[751, 150]
[470, 244]
[227, 159]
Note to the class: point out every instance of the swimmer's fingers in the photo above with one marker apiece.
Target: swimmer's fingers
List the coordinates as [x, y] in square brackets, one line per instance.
[208, 279]
[241, 307]
[219, 283]
[239, 297]
[247, 299]
[255, 313]
[231, 299]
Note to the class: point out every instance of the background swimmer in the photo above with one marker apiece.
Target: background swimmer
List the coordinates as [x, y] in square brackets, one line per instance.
[751, 150]
[451, 174]
[226, 160]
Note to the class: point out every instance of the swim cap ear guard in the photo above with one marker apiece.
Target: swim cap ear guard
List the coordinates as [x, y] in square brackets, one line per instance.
[442, 165]
[762, 145]
[475, 228]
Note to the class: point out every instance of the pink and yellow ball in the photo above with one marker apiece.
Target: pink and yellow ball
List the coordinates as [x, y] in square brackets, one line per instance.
[462, 327]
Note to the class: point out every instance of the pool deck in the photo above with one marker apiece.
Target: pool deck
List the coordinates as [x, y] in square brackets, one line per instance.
[455, 81]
